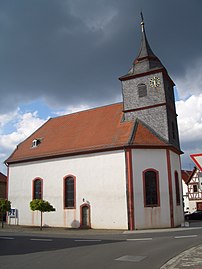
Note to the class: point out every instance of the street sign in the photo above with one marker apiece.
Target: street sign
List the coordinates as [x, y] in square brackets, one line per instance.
[197, 159]
[12, 213]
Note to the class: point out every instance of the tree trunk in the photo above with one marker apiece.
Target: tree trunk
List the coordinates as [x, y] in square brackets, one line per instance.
[41, 220]
[2, 219]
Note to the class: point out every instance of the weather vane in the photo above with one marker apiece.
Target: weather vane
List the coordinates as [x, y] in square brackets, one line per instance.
[142, 22]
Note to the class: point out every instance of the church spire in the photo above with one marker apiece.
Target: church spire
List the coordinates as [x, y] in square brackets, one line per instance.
[146, 61]
[145, 50]
[142, 22]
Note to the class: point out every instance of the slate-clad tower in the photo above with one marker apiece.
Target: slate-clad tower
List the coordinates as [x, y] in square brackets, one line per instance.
[148, 94]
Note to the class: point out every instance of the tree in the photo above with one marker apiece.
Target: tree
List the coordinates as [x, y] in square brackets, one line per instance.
[42, 206]
[5, 206]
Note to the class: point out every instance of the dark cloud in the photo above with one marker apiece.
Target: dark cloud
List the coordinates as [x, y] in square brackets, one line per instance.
[73, 51]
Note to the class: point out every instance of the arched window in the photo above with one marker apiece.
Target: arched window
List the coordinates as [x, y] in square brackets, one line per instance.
[177, 188]
[37, 188]
[69, 192]
[151, 188]
[142, 90]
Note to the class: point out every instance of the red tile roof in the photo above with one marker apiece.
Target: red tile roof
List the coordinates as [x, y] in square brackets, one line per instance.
[95, 129]
[3, 178]
[187, 175]
[143, 136]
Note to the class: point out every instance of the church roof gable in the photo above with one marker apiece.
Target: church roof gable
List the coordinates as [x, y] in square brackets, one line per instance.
[144, 135]
[98, 128]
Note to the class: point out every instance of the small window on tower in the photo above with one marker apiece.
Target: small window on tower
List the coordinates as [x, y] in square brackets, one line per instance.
[142, 90]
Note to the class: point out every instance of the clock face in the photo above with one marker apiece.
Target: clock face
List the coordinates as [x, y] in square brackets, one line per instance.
[154, 82]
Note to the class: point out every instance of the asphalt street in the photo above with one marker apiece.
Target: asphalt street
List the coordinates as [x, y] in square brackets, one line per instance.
[94, 249]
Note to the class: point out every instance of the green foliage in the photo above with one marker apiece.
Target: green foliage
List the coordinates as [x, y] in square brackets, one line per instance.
[5, 206]
[41, 205]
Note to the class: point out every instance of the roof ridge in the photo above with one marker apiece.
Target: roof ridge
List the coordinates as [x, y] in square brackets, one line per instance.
[86, 110]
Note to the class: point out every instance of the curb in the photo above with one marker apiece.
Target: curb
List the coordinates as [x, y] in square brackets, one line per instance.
[186, 259]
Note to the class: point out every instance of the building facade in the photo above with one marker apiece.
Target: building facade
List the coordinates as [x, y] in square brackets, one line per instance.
[3, 186]
[192, 190]
[111, 167]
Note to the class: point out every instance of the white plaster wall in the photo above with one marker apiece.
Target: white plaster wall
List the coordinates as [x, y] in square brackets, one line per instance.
[177, 209]
[192, 206]
[185, 196]
[148, 217]
[100, 181]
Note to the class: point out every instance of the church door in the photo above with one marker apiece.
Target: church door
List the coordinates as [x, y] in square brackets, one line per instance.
[85, 216]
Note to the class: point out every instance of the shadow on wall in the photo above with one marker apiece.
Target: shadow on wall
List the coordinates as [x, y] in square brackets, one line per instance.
[75, 224]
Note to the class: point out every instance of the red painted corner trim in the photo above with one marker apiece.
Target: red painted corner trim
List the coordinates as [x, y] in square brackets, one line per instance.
[128, 154]
[7, 181]
[170, 188]
[195, 161]
[177, 189]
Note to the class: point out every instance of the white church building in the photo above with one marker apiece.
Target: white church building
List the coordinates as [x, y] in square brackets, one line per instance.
[111, 167]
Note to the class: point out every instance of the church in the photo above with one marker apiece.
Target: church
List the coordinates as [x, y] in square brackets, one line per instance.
[111, 167]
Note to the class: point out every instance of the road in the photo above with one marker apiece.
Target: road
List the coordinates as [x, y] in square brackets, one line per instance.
[104, 250]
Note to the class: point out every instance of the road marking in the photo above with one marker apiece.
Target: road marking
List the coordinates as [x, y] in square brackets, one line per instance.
[7, 238]
[130, 258]
[41, 239]
[186, 236]
[87, 240]
[139, 239]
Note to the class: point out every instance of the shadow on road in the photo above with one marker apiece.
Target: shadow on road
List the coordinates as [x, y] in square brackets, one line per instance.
[18, 245]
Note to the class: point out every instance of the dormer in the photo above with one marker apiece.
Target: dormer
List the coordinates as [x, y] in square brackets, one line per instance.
[36, 142]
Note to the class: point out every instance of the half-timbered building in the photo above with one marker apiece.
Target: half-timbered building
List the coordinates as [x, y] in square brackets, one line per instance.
[192, 190]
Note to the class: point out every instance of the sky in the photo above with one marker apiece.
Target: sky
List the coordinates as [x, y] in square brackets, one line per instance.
[62, 56]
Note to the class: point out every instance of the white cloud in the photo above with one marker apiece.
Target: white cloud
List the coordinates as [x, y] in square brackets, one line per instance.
[191, 81]
[28, 123]
[23, 125]
[6, 118]
[72, 109]
[190, 118]
[190, 127]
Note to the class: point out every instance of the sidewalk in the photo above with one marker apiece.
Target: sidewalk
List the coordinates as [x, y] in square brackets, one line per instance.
[191, 258]
[62, 231]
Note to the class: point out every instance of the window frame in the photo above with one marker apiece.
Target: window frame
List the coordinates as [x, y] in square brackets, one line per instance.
[65, 191]
[177, 188]
[142, 90]
[157, 187]
[195, 185]
[81, 215]
[33, 188]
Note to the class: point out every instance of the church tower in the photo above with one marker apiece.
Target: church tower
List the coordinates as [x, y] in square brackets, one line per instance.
[148, 94]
